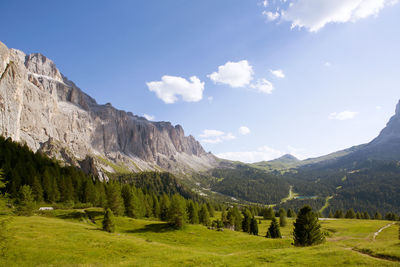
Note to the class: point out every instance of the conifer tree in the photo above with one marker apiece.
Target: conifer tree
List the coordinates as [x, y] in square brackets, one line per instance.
[109, 221]
[26, 203]
[330, 215]
[2, 186]
[193, 213]
[339, 214]
[164, 207]
[246, 221]
[204, 216]
[268, 213]
[253, 226]
[37, 189]
[290, 213]
[224, 218]
[365, 215]
[377, 216]
[177, 211]
[156, 206]
[282, 220]
[114, 199]
[358, 215]
[210, 209]
[350, 214]
[127, 196]
[307, 230]
[273, 230]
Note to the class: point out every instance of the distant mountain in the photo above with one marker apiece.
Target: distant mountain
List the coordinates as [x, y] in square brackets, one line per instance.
[42, 108]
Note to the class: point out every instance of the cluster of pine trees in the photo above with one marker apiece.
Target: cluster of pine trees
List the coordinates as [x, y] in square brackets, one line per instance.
[351, 214]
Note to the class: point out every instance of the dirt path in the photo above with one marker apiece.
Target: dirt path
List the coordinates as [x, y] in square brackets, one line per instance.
[326, 203]
[291, 195]
[368, 255]
[380, 230]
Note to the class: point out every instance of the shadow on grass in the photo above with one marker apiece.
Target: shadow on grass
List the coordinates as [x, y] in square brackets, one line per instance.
[155, 228]
[72, 215]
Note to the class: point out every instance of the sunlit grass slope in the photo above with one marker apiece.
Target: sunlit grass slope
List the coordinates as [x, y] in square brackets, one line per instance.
[70, 238]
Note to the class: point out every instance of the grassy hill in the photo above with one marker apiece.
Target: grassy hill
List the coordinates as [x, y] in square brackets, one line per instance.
[73, 237]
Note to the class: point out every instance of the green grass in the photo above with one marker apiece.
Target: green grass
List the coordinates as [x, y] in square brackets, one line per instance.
[73, 237]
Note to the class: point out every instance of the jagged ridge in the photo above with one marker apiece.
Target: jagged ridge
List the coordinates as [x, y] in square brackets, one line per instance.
[50, 113]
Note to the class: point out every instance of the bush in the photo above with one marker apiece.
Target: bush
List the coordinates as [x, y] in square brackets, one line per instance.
[109, 221]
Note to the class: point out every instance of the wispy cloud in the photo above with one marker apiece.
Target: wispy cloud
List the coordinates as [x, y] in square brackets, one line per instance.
[344, 115]
[215, 136]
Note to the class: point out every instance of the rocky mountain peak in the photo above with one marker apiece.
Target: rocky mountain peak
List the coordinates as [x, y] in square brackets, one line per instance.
[41, 107]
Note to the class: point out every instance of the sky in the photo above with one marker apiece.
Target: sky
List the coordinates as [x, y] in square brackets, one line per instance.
[251, 80]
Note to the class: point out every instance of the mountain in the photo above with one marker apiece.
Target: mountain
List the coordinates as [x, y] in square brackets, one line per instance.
[42, 108]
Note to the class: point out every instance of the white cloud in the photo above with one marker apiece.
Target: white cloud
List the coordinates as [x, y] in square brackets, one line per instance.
[243, 130]
[271, 16]
[149, 117]
[215, 136]
[265, 3]
[315, 14]
[263, 86]
[170, 87]
[327, 64]
[344, 115]
[261, 154]
[278, 73]
[235, 74]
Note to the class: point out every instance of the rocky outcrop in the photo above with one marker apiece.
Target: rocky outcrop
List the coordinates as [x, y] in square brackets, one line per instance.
[41, 107]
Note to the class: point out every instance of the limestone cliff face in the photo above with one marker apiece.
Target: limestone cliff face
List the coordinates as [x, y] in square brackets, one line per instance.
[41, 107]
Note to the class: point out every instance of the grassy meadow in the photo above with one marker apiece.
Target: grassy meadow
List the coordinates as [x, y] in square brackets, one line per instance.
[75, 238]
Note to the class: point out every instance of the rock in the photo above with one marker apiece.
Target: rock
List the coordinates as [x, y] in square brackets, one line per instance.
[41, 107]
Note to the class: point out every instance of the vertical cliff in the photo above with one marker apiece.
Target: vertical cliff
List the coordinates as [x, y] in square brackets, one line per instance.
[41, 107]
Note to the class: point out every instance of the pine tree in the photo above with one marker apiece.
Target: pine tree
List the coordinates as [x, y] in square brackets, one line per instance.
[273, 230]
[282, 220]
[246, 221]
[268, 213]
[330, 215]
[339, 214]
[253, 226]
[37, 189]
[2, 186]
[164, 207]
[109, 221]
[224, 218]
[290, 213]
[358, 215]
[350, 214]
[127, 197]
[377, 216]
[26, 203]
[114, 199]
[307, 230]
[365, 215]
[210, 209]
[193, 213]
[177, 211]
[204, 216]
[156, 206]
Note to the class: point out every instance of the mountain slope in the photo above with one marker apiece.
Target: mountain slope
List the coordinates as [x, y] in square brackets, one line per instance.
[50, 113]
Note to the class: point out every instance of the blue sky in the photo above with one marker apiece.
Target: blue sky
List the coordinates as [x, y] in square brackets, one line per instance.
[251, 80]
